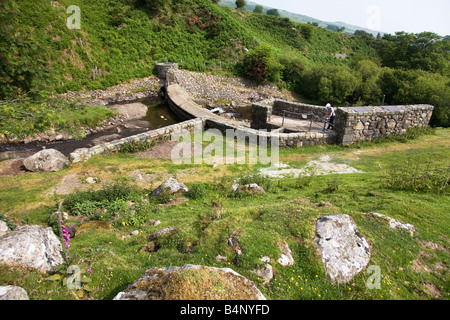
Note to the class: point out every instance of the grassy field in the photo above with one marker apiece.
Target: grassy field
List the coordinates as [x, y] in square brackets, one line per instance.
[412, 267]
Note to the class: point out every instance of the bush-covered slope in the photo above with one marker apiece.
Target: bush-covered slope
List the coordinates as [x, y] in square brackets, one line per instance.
[121, 40]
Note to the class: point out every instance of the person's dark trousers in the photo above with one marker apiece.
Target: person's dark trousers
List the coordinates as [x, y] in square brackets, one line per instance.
[331, 123]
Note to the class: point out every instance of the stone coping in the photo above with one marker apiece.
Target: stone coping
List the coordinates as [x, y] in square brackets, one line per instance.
[83, 154]
[178, 98]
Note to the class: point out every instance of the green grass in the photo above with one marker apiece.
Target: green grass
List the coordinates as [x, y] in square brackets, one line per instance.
[85, 116]
[286, 213]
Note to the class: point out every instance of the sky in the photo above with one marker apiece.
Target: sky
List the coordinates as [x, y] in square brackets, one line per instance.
[389, 16]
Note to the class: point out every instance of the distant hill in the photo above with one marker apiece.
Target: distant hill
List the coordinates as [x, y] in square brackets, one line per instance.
[350, 29]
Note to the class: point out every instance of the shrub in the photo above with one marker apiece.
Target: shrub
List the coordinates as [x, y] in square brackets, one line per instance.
[136, 146]
[197, 191]
[329, 84]
[259, 65]
[419, 176]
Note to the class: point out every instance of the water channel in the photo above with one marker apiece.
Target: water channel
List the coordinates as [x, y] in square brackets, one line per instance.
[158, 116]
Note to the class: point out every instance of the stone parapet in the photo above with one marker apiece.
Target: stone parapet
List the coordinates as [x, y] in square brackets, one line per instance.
[83, 154]
[279, 106]
[367, 123]
[163, 68]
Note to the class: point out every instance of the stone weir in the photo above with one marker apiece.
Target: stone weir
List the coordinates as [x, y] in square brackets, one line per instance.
[182, 105]
[352, 124]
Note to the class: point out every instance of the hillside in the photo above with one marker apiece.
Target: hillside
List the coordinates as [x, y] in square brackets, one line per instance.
[124, 40]
[121, 40]
[350, 29]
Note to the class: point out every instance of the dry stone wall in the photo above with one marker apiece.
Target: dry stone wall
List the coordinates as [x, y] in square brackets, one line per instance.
[281, 105]
[352, 124]
[367, 123]
[163, 68]
[83, 154]
[180, 103]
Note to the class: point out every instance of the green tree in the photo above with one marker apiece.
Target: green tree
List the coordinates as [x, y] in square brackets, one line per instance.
[293, 68]
[418, 87]
[273, 12]
[425, 51]
[307, 31]
[258, 9]
[240, 4]
[368, 91]
[215, 1]
[260, 65]
[332, 84]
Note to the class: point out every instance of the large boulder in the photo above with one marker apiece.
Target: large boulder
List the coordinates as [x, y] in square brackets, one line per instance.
[171, 186]
[191, 283]
[13, 293]
[48, 160]
[344, 251]
[31, 246]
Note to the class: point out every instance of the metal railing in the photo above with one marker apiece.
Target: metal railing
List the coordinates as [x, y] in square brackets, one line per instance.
[312, 119]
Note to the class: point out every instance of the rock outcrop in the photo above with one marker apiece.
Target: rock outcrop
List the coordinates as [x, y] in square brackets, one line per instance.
[191, 282]
[31, 246]
[171, 186]
[48, 160]
[344, 251]
[13, 293]
[252, 188]
[286, 258]
[393, 224]
[3, 228]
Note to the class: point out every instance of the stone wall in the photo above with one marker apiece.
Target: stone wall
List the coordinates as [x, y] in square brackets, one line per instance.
[352, 124]
[83, 154]
[367, 123]
[162, 68]
[179, 102]
[281, 105]
[261, 113]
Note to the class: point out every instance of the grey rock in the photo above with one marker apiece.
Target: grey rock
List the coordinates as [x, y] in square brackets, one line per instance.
[344, 251]
[48, 160]
[3, 228]
[220, 258]
[13, 293]
[32, 246]
[170, 186]
[266, 272]
[155, 284]
[91, 180]
[162, 232]
[394, 224]
[286, 258]
[252, 188]
[233, 242]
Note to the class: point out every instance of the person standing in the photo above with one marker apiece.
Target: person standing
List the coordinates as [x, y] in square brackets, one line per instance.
[331, 115]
